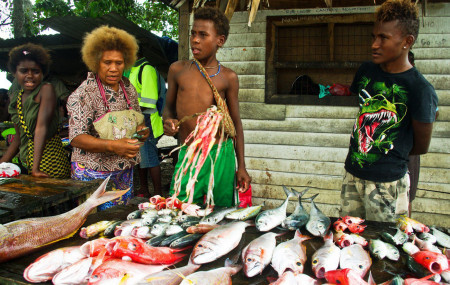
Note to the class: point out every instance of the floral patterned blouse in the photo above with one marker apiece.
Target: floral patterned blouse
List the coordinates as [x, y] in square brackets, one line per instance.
[85, 105]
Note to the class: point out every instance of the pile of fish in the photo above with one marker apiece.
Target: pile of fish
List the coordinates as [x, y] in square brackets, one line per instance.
[144, 248]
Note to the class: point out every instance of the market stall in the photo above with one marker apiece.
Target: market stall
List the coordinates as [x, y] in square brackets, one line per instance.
[382, 270]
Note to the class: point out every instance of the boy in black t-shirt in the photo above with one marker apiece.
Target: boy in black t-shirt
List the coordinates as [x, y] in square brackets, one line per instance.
[396, 116]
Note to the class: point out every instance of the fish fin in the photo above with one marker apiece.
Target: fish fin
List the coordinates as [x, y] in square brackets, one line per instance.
[181, 249]
[313, 197]
[288, 192]
[298, 235]
[100, 195]
[300, 194]
[178, 257]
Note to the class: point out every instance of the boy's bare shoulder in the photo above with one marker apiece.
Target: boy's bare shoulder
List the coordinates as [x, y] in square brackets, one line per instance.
[230, 73]
[179, 65]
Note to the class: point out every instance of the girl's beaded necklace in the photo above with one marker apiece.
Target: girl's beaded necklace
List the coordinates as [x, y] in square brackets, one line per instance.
[210, 76]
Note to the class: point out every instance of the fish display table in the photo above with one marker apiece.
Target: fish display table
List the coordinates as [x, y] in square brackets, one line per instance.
[38, 197]
[382, 270]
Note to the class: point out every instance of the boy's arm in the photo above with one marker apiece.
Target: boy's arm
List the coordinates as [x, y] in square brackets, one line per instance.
[243, 178]
[422, 137]
[169, 113]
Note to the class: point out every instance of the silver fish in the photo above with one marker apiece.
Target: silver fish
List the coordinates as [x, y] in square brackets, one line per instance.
[258, 254]
[269, 219]
[410, 248]
[290, 254]
[392, 252]
[425, 245]
[186, 218]
[441, 238]
[134, 215]
[173, 229]
[245, 213]
[218, 242]
[299, 217]
[23, 236]
[149, 213]
[217, 216]
[318, 224]
[427, 237]
[378, 248]
[326, 258]
[355, 258]
[148, 221]
[159, 229]
[164, 219]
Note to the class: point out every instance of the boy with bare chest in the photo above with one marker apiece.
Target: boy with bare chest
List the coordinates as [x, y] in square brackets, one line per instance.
[189, 93]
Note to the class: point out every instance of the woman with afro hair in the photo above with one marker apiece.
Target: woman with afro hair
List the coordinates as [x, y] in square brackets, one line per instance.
[106, 51]
[34, 111]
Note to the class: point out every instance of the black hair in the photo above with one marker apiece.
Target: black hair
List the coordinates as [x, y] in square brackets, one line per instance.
[29, 51]
[221, 22]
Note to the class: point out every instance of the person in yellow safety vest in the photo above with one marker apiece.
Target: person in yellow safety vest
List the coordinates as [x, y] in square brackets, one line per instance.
[149, 85]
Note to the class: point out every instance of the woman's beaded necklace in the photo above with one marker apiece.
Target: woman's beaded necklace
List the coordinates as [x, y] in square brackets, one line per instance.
[210, 76]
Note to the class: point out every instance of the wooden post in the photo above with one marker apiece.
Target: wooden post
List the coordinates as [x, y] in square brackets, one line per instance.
[183, 42]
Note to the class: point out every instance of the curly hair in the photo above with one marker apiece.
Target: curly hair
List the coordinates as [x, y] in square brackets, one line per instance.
[106, 38]
[404, 11]
[221, 22]
[29, 51]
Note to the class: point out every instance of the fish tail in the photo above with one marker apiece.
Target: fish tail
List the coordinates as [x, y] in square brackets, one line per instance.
[288, 192]
[313, 197]
[100, 196]
[300, 194]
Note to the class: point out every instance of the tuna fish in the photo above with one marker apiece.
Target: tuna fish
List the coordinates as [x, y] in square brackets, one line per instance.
[299, 217]
[318, 224]
[355, 258]
[218, 242]
[269, 219]
[258, 254]
[326, 258]
[23, 236]
[290, 255]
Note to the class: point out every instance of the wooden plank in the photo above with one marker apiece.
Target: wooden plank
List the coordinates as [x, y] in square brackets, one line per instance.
[434, 187]
[428, 205]
[438, 9]
[276, 192]
[444, 113]
[439, 145]
[433, 66]
[247, 67]
[251, 81]
[432, 41]
[313, 125]
[435, 25]
[296, 152]
[321, 112]
[430, 53]
[431, 219]
[246, 40]
[331, 182]
[432, 195]
[435, 175]
[228, 54]
[183, 41]
[251, 95]
[444, 97]
[297, 138]
[243, 28]
[435, 160]
[295, 166]
[262, 111]
[439, 81]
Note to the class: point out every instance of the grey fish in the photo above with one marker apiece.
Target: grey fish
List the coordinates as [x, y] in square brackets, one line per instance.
[217, 216]
[186, 240]
[400, 237]
[299, 217]
[155, 241]
[428, 237]
[392, 252]
[168, 240]
[245, 213]
[165, 219]
[159, 229]
[109, 231]
[186, 225]
[269, 219]
[171, 212]
[173, 229]
[441, 238]
[378, 248]
[148, 221]
[134, 215]
[318, 224]
[186, 218]
[149, 213]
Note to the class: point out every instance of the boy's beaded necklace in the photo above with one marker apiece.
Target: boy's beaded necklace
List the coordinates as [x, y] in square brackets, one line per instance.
[210, 76]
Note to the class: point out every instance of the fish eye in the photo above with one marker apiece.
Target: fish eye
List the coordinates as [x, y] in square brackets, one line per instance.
[132, 246]
[298, 263]
[249, 259]
[200, 245]
[360, 266]
[315, 261]
[338, 281]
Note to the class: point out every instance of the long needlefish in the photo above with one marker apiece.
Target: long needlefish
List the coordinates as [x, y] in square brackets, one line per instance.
[269, 219]
[23, 236]
[318, 224]
[299, 217]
